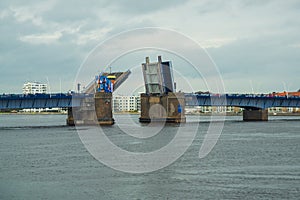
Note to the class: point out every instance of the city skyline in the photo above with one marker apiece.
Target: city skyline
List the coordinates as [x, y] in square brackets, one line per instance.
[254, 44]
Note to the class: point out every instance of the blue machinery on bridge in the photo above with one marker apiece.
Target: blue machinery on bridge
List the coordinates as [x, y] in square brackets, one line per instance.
[159, 103]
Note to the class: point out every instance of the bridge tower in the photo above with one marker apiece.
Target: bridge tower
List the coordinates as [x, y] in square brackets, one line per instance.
[94, 109]
[103, 108]
[161, 103]
[103, 101]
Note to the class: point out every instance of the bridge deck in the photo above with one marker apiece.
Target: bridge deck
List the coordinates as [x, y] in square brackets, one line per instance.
[21, 101]
[241, 100]
[120, 78]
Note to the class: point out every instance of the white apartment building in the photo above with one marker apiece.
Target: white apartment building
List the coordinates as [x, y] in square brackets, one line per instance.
[34, 88]
[126, 103]
[212, 109]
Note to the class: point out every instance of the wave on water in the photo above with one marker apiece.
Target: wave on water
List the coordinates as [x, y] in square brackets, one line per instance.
[31, 127]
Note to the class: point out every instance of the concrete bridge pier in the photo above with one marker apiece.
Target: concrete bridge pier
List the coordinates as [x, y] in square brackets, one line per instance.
[103, 108]
[93, 111]
[255, 114]
[70, 119]
[163, 108]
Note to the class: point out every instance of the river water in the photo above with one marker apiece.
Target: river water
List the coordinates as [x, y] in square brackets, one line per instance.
[41, 158]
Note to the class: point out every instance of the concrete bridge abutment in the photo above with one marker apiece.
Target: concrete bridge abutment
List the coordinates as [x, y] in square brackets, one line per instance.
[70, 119]
[255, 114]
[163, 108]
[93, 111]
[103, 108]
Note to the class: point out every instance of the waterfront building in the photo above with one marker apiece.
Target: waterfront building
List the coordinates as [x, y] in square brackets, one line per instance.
[235, 110]
[34, 88]
[126, 103]
[283, 110]
[212, 109]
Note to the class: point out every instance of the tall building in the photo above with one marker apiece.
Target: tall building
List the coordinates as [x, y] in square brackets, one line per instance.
[34, 88]
[126, 103]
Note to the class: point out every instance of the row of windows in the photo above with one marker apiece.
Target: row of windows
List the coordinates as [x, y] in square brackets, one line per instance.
[34, 87]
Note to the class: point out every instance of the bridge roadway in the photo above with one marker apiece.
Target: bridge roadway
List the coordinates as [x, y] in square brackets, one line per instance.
[61, 100]
[246, 101]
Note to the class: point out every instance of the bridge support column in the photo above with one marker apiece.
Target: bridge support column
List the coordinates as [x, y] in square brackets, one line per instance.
[103, 108]
[70, 119]
[255, 114]
[163, 108]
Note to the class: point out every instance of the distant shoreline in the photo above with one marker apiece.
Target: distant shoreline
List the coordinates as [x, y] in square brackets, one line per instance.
[241, 114]
[137, 113]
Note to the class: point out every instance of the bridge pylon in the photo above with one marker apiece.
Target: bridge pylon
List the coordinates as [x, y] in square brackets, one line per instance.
[163, 108]
[255, 114]
[161, 103]
[96, 106]
[70, 118]
[103, 108]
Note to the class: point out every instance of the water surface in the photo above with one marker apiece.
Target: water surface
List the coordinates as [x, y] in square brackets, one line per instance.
[41, 158]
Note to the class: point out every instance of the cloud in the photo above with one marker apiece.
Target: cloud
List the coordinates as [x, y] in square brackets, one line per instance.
[267, 61]
[4, 14]
[216, 43]
[31, 13]
[256, 40]
[41, 38]
[92, 35]
[295, 45]
[60, 33]
[135, 7]
[23, 14]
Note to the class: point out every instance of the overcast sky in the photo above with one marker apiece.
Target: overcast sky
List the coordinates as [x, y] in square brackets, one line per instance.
[255, 44]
